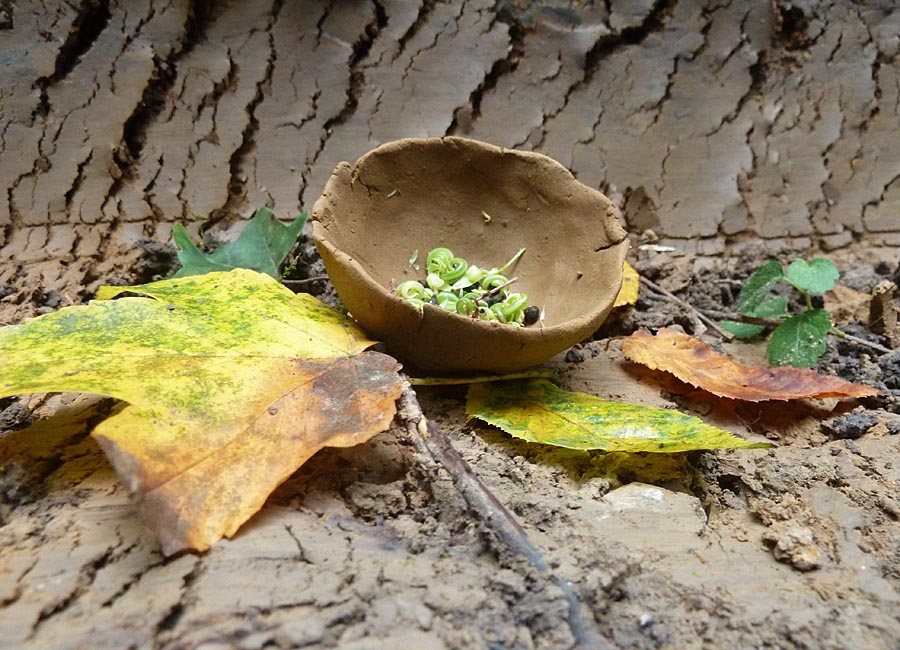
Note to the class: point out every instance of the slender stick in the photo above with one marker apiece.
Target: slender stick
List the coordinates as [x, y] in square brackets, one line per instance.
[741, 318]
[678, 301]
[457, 381]
[315, 278]
[432, 443]
[855, 339]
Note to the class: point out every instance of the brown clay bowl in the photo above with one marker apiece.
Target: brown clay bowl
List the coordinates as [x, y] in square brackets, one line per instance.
[418, 194]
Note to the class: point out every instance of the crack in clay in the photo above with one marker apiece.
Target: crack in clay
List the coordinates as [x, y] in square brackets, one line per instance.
[451, 27]
[605, 46]
[171, 618]
[79, 179]
[499, 69]
[301, 552]
[237, 184]
[425, 10]
[93, 18]
[356, 64]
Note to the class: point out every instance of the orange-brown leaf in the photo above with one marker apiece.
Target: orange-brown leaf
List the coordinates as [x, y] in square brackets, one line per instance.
[194, 485]
[695, 363]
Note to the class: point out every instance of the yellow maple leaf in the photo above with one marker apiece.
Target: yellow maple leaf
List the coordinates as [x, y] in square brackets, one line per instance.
[631, 282]
[232, 383]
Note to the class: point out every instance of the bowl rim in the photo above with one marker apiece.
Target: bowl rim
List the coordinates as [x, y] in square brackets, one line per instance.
[590, 319]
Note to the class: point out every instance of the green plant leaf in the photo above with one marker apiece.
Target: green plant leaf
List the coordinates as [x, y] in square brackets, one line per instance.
[741, 330]
[262, 246]
[757, 288]
[800, 340]
[774, 308]
[815, 277]
[232, 382]
[537, 410]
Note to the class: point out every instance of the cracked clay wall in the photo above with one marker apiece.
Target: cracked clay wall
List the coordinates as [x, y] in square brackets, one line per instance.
[709, 120]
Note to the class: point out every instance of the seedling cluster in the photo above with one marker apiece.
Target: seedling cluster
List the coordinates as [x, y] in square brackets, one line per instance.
[469, 290]
[798, 339]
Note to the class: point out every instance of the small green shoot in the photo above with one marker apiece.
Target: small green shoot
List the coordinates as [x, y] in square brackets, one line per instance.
[798, 339]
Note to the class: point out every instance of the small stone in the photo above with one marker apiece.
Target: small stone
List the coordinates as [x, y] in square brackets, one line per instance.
[795, 545]
[850, 426]
[575, 355]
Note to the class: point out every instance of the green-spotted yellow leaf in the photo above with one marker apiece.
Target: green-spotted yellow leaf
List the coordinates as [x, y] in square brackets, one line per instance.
[537, 410]
[231, 380]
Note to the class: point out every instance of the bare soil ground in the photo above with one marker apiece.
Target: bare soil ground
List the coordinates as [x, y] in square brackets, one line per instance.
[792, 547]
[738, 131]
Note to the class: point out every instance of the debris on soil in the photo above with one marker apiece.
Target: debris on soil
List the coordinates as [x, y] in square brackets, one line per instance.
[852, 425]
[656, 549]
[795, 545]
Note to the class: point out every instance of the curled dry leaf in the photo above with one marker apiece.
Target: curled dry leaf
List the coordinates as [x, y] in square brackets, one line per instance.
[232, 382]
[695, 363]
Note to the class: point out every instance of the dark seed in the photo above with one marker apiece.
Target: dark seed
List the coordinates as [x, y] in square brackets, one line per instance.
[531, 315]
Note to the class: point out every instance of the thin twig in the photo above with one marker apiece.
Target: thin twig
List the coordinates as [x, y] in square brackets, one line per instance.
[501, 287]
[699, 314]
[741, 318]
[855, 339]
[458, 381]
[316, 278]
[432, 443]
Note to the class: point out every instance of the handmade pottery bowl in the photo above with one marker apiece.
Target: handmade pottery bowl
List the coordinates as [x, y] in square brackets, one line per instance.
[484, 203]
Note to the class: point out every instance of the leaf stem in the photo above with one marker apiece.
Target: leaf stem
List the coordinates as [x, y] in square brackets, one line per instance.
[513, 260]
[859, 341]
[743, 318]
[774, 322]
[315, 278]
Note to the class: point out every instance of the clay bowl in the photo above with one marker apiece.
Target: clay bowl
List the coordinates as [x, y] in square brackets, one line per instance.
[418, 194]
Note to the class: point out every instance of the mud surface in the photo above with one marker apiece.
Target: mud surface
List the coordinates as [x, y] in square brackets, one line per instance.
[705, 120]
[792, 547]
[736, 131]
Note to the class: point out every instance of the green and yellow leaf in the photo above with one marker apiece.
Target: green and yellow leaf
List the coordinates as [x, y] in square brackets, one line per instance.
[537, 410]
[232, 383]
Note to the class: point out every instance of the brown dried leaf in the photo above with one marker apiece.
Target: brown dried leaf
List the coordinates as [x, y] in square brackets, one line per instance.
[194, 485]
[695, 363]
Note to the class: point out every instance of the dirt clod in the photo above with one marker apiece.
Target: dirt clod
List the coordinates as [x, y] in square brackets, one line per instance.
[852, 425]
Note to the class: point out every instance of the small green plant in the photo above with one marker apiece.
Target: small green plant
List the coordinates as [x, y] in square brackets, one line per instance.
[798, 339]
[455, 286]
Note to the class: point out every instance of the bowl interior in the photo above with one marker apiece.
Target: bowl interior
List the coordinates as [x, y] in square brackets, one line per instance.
[484, 203]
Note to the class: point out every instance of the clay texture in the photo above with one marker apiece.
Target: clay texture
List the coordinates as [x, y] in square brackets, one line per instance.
[417, 194]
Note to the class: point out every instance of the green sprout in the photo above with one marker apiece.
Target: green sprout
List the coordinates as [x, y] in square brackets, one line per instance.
[798, 339]
[457, 287]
